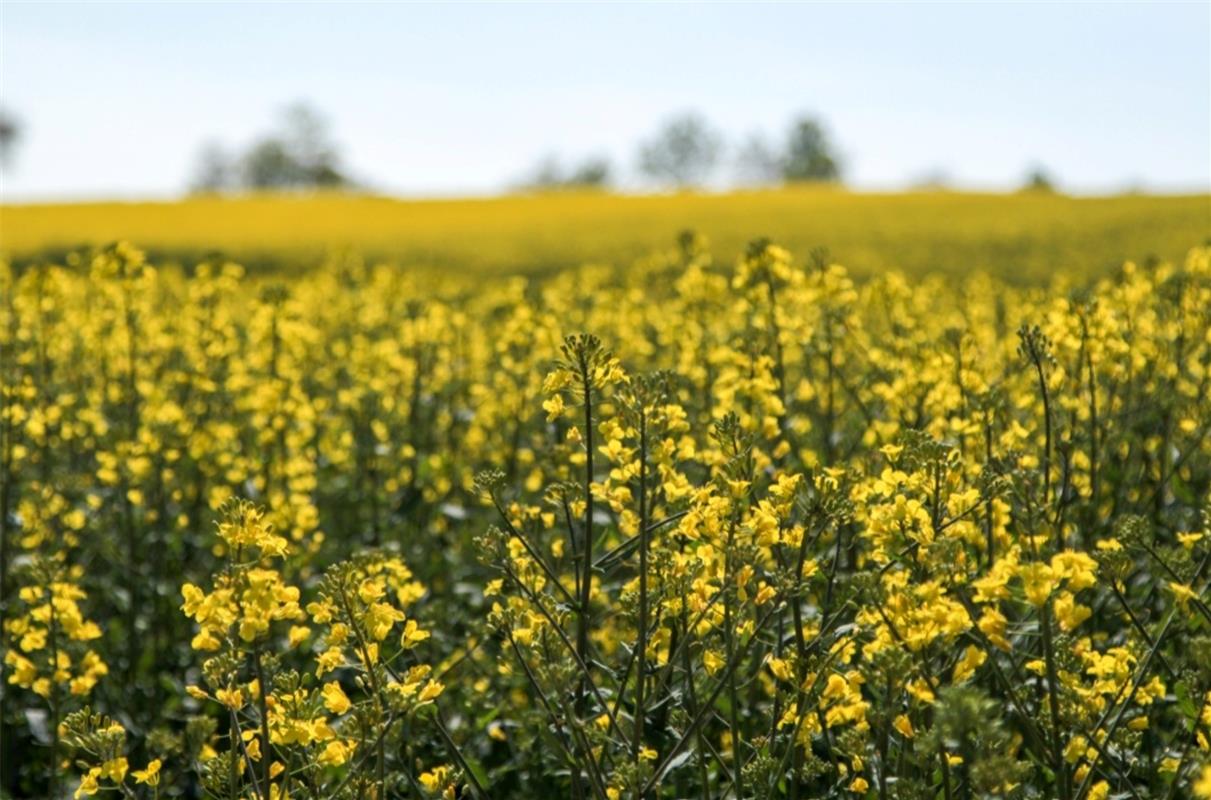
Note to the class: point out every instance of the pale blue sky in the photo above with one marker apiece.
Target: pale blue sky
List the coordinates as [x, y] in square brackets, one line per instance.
[451, 99]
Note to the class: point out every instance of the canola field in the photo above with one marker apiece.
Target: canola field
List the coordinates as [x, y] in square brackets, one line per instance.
[1023, 237]
[683, 525]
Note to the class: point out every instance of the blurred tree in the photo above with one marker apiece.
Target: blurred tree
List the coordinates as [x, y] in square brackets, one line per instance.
[549, 173]
[308, 141]
[1038, 179]
[299, 155]
[810, 155]
[270, 165]
[593, 171]
[10, 133]
[215, 171]
[757, 163]
[682, 153]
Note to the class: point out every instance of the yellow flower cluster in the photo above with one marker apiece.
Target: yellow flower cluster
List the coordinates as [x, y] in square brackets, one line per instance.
[280, 718]
[248, 598]
[42, 654]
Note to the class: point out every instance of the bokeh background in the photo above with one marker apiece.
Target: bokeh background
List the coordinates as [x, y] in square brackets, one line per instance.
[121, 100]
[526, 138]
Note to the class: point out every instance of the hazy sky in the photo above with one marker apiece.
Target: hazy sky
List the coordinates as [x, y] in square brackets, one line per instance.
[118, 99]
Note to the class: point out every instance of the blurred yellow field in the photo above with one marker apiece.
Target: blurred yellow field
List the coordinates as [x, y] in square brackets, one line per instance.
[1018, 236]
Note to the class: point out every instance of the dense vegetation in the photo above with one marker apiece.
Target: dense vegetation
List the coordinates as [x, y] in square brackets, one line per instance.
[687, 528]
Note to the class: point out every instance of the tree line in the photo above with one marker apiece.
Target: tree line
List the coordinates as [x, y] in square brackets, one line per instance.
[299, 154]
[688, 151]
[685, 151]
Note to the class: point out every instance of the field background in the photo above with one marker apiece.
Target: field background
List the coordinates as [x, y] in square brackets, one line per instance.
[1023, 238]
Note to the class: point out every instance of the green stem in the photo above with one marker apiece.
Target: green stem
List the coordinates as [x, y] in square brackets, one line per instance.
[263, 705]
[1053, 700]
[641, 667]
[586, 584]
